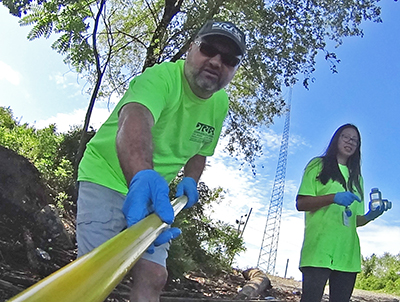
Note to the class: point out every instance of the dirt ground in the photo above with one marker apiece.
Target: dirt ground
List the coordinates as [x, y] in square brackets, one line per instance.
[291, 286]
[193, 287]
[226, 287]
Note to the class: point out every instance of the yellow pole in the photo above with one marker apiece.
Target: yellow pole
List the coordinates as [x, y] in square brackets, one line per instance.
[92, 277]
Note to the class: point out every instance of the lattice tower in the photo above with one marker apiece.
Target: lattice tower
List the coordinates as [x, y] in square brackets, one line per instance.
[269, 244]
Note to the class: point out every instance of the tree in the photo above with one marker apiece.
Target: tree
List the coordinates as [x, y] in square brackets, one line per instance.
[205, 244]
[112, 41]
[44, 148]
[380, 273]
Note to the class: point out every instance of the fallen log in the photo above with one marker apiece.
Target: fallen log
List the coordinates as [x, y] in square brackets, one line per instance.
[258, 282]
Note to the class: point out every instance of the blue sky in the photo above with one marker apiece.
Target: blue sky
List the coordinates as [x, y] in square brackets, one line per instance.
[41, 89]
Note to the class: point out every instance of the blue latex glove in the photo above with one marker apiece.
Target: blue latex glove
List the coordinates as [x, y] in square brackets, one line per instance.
[345, 198]
[164, 237]
[148, 193]
[371, 215]
[188, 187]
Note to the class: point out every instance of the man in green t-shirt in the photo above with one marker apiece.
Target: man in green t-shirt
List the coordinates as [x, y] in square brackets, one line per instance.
[170, 118]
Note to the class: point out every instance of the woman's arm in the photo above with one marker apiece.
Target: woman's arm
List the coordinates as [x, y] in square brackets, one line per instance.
[313, 203]
[362, 220]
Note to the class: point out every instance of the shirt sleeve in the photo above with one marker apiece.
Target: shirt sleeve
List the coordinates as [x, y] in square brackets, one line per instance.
[309, 180]
[151, 89]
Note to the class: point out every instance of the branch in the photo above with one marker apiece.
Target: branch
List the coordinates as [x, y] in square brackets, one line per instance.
[134, 38]
[172, 7]
[152, 12]
[100, 73]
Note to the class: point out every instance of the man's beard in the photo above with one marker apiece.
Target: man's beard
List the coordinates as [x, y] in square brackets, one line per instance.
[207, 84]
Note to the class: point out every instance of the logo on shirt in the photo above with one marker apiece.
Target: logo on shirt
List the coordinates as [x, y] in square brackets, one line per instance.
[203, 134]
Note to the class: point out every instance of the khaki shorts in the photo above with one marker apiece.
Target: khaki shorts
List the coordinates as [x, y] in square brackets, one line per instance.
[100, 218]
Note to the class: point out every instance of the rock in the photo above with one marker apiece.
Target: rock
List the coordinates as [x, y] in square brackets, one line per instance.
[28, 220]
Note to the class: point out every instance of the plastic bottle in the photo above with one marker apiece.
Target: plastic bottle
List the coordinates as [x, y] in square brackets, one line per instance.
[375, 199]
[387, 204]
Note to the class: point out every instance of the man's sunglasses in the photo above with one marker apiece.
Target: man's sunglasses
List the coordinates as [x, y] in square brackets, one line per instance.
[211, 51]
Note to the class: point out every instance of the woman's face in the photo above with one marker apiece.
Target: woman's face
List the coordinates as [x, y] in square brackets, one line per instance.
[347, 144]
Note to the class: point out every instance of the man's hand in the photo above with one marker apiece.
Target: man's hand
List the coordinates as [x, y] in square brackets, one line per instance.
[188, 187]
[148, 192]
[164, 237]
[345, 198]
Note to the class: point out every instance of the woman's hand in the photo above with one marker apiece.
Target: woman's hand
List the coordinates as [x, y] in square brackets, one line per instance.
[345, 198]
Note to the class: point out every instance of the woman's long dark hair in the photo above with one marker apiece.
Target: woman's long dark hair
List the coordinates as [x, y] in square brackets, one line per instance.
[330, 167]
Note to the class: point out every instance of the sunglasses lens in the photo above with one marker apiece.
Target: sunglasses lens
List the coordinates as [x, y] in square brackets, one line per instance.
[230, 60]
[211, 51]
[208, 50]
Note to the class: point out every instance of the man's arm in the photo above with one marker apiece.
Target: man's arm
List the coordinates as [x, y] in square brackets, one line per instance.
[135, 154]
[188, 185]
[134, 139]
[195, 166]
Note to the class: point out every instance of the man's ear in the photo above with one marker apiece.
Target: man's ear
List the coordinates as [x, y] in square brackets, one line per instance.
[190, 46]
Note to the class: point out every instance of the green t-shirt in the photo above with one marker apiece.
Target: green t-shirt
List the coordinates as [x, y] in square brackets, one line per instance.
[328, 243]
[184, 125]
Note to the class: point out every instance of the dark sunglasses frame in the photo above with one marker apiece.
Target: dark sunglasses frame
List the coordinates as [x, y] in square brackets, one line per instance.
[210, 51]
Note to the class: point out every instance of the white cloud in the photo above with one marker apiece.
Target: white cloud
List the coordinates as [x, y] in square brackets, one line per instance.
[65, 80]
[378, 238]
[58, 78]
[271, 140]
[64, 121]
[9, 74]
[296, 141]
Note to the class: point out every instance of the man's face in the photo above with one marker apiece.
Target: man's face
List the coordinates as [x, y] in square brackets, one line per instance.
[209, 69]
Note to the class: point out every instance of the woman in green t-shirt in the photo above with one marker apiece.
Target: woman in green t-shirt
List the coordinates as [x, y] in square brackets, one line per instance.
[331, 195]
